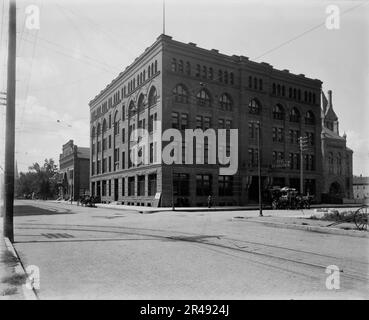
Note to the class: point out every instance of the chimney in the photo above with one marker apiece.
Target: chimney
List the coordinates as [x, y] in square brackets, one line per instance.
[330, 98]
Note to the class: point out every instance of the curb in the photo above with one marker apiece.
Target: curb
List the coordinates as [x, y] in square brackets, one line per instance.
[30, 294]
[336, 231]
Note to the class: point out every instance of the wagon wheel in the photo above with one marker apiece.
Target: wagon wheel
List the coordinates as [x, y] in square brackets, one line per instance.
[361, 218]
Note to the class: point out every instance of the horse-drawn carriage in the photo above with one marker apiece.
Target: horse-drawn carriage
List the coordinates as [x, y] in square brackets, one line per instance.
[289, 198]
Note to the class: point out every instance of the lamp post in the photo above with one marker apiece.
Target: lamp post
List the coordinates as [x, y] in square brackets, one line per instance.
[259, 171]
[303, 145]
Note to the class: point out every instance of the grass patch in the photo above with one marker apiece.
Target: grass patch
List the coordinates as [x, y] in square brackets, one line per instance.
[15, 279]
[9, 291]
[8, 258]
[339, 216]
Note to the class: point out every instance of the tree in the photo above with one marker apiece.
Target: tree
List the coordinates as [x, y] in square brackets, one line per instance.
[38, 180]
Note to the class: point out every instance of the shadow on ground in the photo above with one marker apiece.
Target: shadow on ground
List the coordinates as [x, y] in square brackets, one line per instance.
[21, 210]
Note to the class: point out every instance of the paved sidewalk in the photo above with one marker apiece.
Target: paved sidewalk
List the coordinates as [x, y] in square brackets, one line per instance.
[143, 209]
[12, 290]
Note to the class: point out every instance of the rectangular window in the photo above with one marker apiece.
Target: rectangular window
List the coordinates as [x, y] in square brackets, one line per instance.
[109, 141]
[203, 184]
[181, 184]
[104, 188]
[175, 120]
[152, 184]
[274, 134]
[207, 123]
[225, 185]
[131, 186]
[109, 188]
[199, 122]
[151, 153]
[109, 163]
[141, 185]
[123, 187]
[123, 160]
[221, 124]
[184, 121]
[280, 135]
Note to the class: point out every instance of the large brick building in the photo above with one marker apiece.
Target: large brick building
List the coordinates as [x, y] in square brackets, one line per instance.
[185, 86]
[74, 171]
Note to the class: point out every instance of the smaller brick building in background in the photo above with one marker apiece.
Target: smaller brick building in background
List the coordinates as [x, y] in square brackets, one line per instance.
[74, 171]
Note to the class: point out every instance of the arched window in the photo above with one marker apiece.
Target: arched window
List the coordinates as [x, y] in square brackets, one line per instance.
[149, 72]
[225, 102]
[309, 118]
[294, 115]
[131, 109]
[144, 75]
[153, 97]
[278, 89]
[260, 84]
[93, 133]
[255, 83]
[104, 126]
[226, 77]
[254, 106]
[203, 98]
[278, 112]
[180, 94]
[98, 129]
[231, 79]
[140, 103]
[156, 66]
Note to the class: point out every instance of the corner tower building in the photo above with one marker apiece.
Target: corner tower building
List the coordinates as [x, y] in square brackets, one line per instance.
[183, 86]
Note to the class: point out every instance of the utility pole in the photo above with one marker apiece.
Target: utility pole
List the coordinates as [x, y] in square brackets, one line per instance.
[10, 126]
[259, 171]
[172, 188]
[303, 145]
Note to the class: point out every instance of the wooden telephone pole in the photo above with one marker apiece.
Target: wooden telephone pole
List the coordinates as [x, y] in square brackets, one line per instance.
[10, 127]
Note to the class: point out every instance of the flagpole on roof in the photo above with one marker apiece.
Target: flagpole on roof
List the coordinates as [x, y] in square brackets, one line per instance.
[163, 16]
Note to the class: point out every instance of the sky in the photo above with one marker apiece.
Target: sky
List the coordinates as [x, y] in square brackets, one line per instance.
[82, 45]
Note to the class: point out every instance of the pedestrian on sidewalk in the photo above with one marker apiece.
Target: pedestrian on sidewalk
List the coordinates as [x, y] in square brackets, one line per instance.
[209, 201]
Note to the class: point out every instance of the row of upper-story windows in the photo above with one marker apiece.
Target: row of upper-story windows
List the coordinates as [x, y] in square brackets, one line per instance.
[204, 98]
[203, 72]
[140, 78]
[255, 83]
[132, 109]
[117, 97]
[294, 93]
